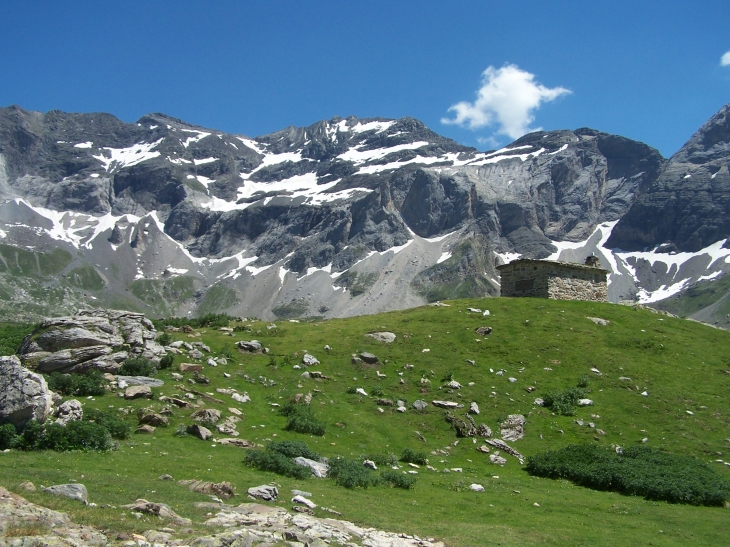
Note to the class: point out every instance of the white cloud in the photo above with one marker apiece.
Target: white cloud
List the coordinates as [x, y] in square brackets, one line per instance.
[725, 59]
[508, 97]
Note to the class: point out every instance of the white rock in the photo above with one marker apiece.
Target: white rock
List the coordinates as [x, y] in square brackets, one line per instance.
[304, 501]
[585, 402]
[476, 487]
[361, 391]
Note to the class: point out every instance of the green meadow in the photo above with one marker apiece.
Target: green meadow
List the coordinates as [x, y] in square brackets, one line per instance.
[664, 383]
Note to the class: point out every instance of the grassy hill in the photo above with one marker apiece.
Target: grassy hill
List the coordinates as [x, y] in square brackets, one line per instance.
[546, 345]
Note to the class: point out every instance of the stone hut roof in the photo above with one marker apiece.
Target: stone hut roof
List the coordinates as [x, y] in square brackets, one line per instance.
[567, 265]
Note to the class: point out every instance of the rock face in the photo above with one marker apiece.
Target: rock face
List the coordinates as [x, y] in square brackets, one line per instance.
[88, 340]
[24, 395]
[513, 428]
[687, 207]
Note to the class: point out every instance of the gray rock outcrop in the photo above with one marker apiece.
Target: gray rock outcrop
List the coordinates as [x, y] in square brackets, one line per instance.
[513, 428]
[385, 337]
[73, 491]
[69, 411]
[264, 492]
[90, 340]
[319, 469]
[24, 395]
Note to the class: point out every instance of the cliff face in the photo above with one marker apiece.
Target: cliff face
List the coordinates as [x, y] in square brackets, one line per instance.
[168, 218]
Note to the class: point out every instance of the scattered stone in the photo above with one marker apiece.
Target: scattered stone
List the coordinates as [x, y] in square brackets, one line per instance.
[513, 428]
[472, 362]
[190, 367]
[221, 489]
[483, 430]
[264, 492]
[309, 360]
[585, 402]
[240, 443]
[473, 408]
[476, 487]
[484, 449]
[419, 404]
[536, 504]
[539, 402]
[512, 380]
[318, 469]
[384, 402]
[211, 362]
[165, 477]
[385, 337]
[598, 321]
[157, 509]
[483, 331]
[370, 464]
[368, 358]
[145, 429]
[175, 401]
[501, 445]
[154, 419]
[453, 384]
[241, 398]
[199, 431]
[497, 459]
[595, 371]
[250, 346]
[235, 411]
[69, 411]
[439, 304]
[645, 393]
[624, 378]
[304, 501]
[327, 347]
[474, 310]
[445, 404]
[227, 428]
[138, 392]
[361, 391]
[73, 491]
[600, 431]
[401, 409]
[296, 492]
[27, 486]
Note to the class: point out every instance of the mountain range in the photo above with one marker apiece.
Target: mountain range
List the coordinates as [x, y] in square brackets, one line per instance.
[346, 216]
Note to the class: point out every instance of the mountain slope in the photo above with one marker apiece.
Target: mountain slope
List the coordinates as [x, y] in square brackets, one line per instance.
[172, 216]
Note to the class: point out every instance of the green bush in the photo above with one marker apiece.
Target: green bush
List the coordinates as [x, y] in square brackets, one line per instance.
[293, 449]
[584, 381]
[79, 385]
[377, 391]
[563, 401]
[77, 435]
[638, 471]
[207, 320]
[414, 456]
[8, 436]
[117, 427]
[166, 361]
[137, 366]
[351, 474]
[398, 479]
[276, 462]
[12, 335]
[302, 420]
[382, 459]
[164, 339]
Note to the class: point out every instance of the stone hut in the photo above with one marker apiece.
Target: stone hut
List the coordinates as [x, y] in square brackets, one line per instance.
[556, 280]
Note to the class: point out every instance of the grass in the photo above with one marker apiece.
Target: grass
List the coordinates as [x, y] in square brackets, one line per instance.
[680, 364]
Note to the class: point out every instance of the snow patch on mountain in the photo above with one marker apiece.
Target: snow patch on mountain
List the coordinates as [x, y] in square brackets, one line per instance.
[125, 157]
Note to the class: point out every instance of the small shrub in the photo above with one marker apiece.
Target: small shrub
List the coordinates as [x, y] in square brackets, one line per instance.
[167, 361]
[448, 376]
[302, 420]
[77, 435]
[382, 459]
[398, 479]
[116, 426]
[414, 456]
[32, 436]
[351, 390]
[293, 449]
[137, 366]
[377, 391]
[276, 462]
[351, 474]
[639, 471]
[164, 339]
[181, 431]
[80, 385]
[8, 436]
[563, 402]
[584, 381]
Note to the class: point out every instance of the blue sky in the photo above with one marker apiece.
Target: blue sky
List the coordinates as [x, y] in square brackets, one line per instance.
[651, 71]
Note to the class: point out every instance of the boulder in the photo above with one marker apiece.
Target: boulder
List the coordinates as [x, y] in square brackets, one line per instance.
[221, 489]
[70, 411]
[513, 428]
[190, 367]
[304, 501]
[598, 321]
[195, 354]
[473, 408]
[153, 419]
[370, 465]
[199, 431]
[476, 487]
[368, 358]
[145, 429]
[141, 381]
[24, 395]
[445, 404]
[500, 444]
[210, 415]
[138, 392]
[264, 492]
[157, 509]
[73, 491]
[483, 331]
[250, 346]
[420, 405]
[497, 459]
[385, 337]
[318, 469]
[585, 402]
[310, 360]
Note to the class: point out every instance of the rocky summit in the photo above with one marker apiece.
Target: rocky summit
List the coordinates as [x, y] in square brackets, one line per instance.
[343, 217]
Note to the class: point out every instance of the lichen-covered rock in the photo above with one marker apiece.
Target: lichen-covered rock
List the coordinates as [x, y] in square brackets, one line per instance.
[72, 491]
[69, 411]
[24, 395]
